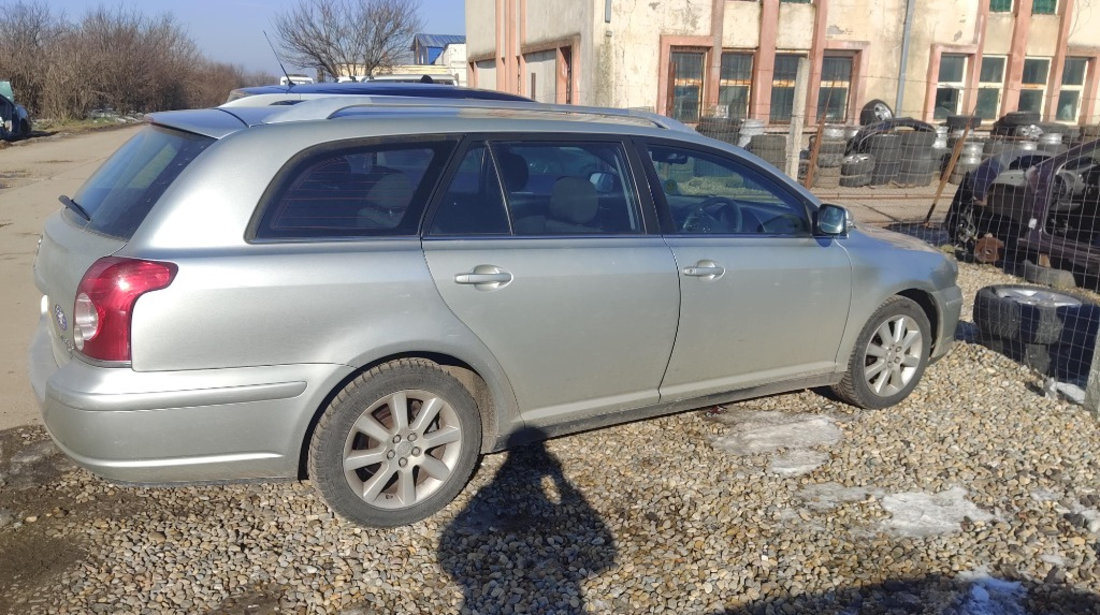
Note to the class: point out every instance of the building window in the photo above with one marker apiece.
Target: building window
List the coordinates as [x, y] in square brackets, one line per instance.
[991, 82]
[686, 77]
[1000, 6]
[836, 83]
[1073, 82]
[949, 88]
[784, 77]
[735, 84]
[1033, 85]
[1044, 7]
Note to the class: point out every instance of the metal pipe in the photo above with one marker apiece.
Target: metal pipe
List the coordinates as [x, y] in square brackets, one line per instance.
[903, 65]
[607, 11]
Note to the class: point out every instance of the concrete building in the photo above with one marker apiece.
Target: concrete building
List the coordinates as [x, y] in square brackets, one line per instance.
[776, 59]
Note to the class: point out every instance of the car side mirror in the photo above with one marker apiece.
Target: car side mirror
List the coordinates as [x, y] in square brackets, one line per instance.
[832, 220]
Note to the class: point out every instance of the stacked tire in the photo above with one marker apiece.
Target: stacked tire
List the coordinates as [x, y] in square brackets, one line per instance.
[721, 128]
[916, 165]
[830, 157]
[1051, 331]
[855, 170]
[885, 149]
[772, 148]
[969, 159]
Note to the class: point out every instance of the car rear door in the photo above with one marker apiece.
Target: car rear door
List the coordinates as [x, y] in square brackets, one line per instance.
[540, 247]
[762, 299]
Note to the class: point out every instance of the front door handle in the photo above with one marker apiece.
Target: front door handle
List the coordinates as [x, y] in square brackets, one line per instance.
[706, 269]
[485, 277]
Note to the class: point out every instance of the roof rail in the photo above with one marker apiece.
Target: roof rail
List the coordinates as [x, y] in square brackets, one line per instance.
[327, 107]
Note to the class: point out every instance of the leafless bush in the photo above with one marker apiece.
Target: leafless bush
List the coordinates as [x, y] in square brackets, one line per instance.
[110, 58]
[348, 37]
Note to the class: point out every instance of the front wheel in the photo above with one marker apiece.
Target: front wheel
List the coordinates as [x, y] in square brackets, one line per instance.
[396, 445]
[889, 356]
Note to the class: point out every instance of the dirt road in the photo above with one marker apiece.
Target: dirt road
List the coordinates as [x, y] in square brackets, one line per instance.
[32, 174]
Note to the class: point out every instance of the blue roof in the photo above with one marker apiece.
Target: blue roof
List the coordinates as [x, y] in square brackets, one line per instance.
[437, 40]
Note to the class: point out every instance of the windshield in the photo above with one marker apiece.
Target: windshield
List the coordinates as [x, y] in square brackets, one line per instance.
[123, 191]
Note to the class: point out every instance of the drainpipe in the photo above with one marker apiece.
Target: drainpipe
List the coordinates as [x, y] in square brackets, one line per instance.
[607, 11]
[906, 31]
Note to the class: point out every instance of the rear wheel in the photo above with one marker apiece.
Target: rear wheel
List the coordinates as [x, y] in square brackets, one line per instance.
[889, 356]
[396, 445]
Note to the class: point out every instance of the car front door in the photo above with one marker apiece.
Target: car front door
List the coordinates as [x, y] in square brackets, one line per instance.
[762, 299]
[540, 247]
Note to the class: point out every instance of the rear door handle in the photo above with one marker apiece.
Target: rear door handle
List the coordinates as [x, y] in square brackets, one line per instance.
[485, 277]
[706, 269]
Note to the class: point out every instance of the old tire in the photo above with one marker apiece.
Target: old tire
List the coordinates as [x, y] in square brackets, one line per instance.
[889, 356]
[1048, 276]
[396, 445]
[1029, 314]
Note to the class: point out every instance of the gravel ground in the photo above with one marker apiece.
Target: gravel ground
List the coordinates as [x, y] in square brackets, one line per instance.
[978, 494]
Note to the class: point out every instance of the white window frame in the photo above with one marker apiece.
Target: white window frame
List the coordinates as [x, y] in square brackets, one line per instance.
[959, 85]
[1037, 87]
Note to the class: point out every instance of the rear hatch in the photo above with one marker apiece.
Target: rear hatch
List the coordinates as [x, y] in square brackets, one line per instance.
[102, 216]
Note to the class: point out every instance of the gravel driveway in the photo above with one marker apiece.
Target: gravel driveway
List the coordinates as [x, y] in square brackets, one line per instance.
[976, 495]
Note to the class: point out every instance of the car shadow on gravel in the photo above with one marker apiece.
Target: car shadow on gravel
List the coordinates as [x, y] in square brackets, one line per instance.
[943, 595]
[528, 539]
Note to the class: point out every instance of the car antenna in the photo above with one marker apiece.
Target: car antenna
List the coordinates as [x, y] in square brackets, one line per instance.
[289, 81]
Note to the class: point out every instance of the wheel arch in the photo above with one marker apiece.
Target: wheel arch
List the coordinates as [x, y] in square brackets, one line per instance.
[928, 305]
[494, 410]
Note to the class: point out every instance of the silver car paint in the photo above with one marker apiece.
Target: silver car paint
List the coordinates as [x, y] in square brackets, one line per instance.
[249, 417]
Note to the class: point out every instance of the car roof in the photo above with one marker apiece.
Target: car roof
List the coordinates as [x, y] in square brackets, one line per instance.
[227, 119]
[240, 96]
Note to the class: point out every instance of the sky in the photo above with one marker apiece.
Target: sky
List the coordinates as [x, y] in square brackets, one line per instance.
[232, 30]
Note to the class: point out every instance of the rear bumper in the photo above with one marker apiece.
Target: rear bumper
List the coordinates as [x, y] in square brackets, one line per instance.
[185, 426]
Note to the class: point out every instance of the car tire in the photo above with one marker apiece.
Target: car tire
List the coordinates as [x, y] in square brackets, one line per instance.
[889, 356]
[857, 164]
[1059, 279]
[875, 111]
[24, 129]
[1030, 314]
[406, 479]
[854, 181]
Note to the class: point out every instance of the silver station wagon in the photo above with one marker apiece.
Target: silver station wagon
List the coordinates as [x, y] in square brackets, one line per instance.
[371, 293]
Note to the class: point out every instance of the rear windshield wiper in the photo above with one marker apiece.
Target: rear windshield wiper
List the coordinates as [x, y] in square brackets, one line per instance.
[73, 205]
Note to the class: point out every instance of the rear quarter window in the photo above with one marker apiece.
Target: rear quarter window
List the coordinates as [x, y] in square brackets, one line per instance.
[121, 193]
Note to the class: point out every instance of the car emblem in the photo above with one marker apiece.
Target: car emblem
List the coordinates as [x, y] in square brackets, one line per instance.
[59, 315]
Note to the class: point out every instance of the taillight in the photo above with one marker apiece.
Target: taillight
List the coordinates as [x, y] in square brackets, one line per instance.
[105, 304]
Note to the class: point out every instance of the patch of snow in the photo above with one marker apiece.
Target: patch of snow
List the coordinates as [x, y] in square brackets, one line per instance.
[1044, 495]
[990, 596]
[1053, 559]
[827, 496]
[1072, 392]
[925, 514]
[797, 462]
[1093, 519]
[768, 432]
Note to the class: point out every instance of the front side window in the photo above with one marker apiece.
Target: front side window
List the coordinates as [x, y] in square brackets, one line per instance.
[783, 85]
[836, 82]
[949, 88]
[1073, 83]
[990, 85]
[573, 188]
[1033, 84]
[709, 194]
[686, 69]
[353, 192]
[736, 83]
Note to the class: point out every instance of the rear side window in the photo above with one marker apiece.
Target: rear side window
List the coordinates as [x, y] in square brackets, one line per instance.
[360, 191]
[121, 193]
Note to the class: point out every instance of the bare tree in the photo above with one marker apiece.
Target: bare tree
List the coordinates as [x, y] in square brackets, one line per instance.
[27, 31]
[342, 37]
